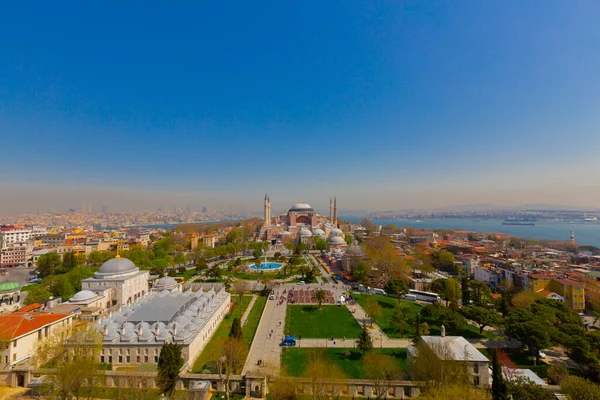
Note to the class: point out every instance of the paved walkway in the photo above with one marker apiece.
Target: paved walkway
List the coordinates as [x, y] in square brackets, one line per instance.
[265, 345]
[248, 309]
[361, 317]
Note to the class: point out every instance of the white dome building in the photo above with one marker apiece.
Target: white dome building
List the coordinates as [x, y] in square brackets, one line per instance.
[319, 233]
[166, 283]
[336, 243]
[118, 281]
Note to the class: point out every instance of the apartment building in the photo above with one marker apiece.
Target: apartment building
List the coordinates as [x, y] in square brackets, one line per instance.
[562, 289]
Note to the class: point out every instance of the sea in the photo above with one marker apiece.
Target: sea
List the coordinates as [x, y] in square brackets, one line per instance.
[585, 233]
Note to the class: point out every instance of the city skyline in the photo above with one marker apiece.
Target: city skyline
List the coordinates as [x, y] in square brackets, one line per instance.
[387, 106]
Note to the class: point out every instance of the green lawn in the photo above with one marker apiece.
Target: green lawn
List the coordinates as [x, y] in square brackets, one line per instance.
[187, 274]
[212, 351]
[249, 330]
[310, 322]
[387, 307]
[293, 360]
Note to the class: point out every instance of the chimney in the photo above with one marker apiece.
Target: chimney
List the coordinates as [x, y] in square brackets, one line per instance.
[443, 331]
[157, 329]
[105, 331]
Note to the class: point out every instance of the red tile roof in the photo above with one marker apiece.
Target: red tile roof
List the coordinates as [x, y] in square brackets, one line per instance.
[31, 307]
[20, 323]
[569, 282]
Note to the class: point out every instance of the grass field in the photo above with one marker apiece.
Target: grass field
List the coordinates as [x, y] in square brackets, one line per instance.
[212, 350]
[310, 322]
[387, 307]
[293, 360]
[188, 274]
[249, 330]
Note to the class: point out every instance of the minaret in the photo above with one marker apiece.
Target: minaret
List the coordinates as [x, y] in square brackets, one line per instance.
[330, 210]
[335, 221]
[266, 210]
[269, 210]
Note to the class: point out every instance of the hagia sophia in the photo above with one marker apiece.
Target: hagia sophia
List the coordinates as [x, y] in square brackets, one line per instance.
[302, 224]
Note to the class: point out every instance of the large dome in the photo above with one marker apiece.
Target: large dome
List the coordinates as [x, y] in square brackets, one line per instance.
[319, 232]
[305, 233]
[116, 266]
[355, 250]
[336, 240]
[336, 232]
[302, 207]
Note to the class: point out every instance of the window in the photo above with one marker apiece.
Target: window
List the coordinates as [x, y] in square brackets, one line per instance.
[15, 343]
[128, 360]
[102, 359]
[120, 359]
[110, 359]
[145, 358]
[138, 359]
[156, 359]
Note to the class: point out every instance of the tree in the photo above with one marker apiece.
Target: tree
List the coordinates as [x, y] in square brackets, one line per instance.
[348, 238]
[236, 329]
[321, 374]
[170, 363]
[524, 299]
[364, 342]
[95, 258]
[201, 265]
[499, 388]
[48, 264]
[557, 373]
[240, 287]
[417, 336]
[466, 291]
[214, 272]
[580, 389]
[179, 259]
[398, 320]
[373, 309]
[522, 388]
[368, 225]
[534, 331]
[447, 288]
[482, 316]
[480, 293]
[380, 370]
[233, 356]
[361, 273]
[283, 388]
[454, 391]
[37, 294]
[73, 354]
[443, 260]
[396, 287]
[320, 296]
[69, 261]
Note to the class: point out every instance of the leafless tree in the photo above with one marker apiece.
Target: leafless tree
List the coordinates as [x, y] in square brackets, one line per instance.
[231, 361]
[381, 370]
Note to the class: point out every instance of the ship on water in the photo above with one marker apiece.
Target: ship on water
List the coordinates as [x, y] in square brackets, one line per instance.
[519, 221]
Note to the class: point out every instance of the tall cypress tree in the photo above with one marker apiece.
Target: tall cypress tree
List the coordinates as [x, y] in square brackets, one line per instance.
[169, 364]
[466, 292]
[236, 329]
[364, 342]
[499, 387]
[417, 336]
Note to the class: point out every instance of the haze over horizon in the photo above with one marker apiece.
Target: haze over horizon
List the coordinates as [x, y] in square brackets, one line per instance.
[388, 105]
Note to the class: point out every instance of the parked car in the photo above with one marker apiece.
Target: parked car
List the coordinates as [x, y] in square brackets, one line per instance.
[288, 341]
[271, 297]
[301, 283]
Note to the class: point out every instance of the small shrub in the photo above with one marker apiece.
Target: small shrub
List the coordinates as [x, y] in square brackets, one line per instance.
[172, 273]
[347, 354]
[181, 270]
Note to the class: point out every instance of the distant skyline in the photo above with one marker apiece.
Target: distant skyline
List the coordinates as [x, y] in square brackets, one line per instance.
[387, 105]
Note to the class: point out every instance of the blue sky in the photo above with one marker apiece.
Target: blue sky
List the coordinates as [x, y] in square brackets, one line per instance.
[386, 104]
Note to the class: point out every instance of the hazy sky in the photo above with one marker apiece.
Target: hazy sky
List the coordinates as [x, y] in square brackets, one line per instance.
[386, 104]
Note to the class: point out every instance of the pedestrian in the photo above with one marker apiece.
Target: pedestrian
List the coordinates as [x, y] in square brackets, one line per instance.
[334, 342]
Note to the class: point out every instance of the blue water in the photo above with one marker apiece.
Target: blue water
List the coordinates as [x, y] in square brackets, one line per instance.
[585, 233]
[267, 266]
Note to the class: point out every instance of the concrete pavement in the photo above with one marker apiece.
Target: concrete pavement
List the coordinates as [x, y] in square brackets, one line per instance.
[265, 345]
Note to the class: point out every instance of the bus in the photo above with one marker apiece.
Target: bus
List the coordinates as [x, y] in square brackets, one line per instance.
[424, 296]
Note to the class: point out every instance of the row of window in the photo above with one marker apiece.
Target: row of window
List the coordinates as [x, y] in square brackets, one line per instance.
[127, 359]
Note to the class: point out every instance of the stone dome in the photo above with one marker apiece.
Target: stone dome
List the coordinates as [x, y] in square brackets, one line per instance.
[116, 266]
[319, 232]
[83, 295]
[336, 232]
[305, 233]
[336, 240]
[355, 250]
[301, 207]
